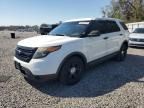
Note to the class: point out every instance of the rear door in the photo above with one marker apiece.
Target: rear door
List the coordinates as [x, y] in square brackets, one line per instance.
[113, 36]
[124, 30]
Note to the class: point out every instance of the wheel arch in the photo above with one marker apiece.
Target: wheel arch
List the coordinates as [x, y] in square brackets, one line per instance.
[125, 43]
[77, 54]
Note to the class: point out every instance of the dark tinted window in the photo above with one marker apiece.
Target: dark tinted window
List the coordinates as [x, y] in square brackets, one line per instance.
[97, 26]
[139, 30]
[112, 27]
[104, 26]
[123, 25]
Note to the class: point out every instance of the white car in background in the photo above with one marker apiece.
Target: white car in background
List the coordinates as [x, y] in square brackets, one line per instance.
[137, 38]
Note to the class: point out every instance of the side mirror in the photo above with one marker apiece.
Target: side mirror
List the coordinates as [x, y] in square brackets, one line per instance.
[94, 33]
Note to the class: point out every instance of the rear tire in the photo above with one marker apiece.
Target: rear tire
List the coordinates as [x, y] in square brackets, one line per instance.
[71, 71]
[122, 53]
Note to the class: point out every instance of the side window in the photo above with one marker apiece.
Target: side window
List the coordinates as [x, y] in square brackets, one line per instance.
[123, 25]
[98, 26]
[104, 26]
[112, 27]
[94, 27]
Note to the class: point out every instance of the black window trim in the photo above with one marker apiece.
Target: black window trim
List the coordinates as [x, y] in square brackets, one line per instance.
[123, 25]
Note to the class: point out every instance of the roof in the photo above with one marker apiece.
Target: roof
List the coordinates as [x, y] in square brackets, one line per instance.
[90, 19]
[82, 19]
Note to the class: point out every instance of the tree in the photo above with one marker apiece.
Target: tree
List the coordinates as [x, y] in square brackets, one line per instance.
[128, 10]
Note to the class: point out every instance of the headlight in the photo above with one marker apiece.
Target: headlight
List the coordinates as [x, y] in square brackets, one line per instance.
[44, 51]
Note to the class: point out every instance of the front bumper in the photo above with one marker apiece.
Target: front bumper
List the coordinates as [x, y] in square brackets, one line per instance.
[41, 68]
[44, 66]
[28, 74]
[137, 44]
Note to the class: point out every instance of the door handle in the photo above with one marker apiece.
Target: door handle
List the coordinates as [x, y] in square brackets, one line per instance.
[105, 38]
[121, 34]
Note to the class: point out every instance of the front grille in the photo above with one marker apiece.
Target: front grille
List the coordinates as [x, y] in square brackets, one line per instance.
[137, 45]
[137, 40]
[24, 53]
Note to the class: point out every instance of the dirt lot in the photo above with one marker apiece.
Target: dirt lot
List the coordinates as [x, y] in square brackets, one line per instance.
[110, 84]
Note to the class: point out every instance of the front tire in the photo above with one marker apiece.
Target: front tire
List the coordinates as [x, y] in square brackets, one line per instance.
[71, 71]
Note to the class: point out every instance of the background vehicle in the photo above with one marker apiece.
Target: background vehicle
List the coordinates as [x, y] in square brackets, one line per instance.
[70, 47]
[45, 28]
[137, 38]
[133, 26]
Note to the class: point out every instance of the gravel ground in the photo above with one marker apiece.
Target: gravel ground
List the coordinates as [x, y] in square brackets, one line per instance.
[110, 84]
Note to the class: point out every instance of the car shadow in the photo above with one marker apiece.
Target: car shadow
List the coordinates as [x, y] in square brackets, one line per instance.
[98, 80]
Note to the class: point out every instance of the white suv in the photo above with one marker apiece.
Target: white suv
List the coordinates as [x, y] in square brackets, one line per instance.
[137, 38]
[70, 47]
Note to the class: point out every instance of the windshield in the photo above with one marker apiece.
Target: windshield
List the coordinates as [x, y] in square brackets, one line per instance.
[139, 30]
[72, 29]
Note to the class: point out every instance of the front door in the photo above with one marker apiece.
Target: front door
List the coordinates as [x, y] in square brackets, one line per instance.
[95, 46]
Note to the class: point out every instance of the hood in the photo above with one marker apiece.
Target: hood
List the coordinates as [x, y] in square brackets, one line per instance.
[137, 35]
[46, 41]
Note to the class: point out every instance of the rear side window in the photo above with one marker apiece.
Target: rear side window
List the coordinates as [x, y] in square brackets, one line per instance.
[112, 27]
[123, 25]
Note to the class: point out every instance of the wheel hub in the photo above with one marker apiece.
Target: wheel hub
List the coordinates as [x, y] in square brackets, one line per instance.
[73, 70]
[123, 52]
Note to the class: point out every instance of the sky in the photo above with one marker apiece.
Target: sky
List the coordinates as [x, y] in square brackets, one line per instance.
[36, 12]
